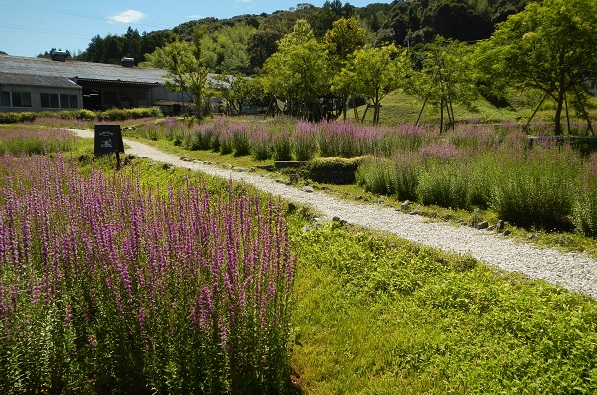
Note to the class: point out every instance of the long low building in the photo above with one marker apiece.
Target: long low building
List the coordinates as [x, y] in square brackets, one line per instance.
[39, 84]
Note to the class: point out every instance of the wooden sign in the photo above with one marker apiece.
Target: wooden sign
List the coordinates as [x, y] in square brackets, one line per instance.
[107, 139]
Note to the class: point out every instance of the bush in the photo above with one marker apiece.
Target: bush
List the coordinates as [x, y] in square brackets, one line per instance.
[17, 117]
[304, 141]
[534, 187]
[443, 185]
[240, 135]
[282, 146]
[373, 174]
[333, 170]
[261, 144]
[585, 206]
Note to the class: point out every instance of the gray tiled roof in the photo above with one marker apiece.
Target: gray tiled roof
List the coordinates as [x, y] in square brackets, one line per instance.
[82, 70]
[38, 80]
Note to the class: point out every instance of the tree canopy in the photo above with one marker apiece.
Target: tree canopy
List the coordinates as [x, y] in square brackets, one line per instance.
[549, 47]
[298, 72]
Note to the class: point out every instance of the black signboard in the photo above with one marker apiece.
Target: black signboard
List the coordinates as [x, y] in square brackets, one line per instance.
[107, 139]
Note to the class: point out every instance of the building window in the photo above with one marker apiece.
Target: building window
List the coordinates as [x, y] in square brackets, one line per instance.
[68, 101]
[50, 100]
[55, 100]
[4, 99]
[21, 99]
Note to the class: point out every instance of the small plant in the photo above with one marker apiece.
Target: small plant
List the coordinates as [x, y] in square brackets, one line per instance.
[585, 205]
[304, 141]
[240, 138]
[261, 144]
[282, 146]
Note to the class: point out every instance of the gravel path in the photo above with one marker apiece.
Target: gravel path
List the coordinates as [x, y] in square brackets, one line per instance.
[573, 271]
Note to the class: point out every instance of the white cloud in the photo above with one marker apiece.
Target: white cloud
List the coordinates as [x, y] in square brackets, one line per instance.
[243, 1]
[193, 17]
[128, 16]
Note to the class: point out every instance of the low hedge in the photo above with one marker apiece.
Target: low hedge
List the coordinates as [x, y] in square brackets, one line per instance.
[333, 170]
[82, 115]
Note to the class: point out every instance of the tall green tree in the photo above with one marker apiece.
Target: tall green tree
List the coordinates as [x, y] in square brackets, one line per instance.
[445, 78]
[549, 46]
[186, 70]
[372, 74]
[298, 72]
[345, 37]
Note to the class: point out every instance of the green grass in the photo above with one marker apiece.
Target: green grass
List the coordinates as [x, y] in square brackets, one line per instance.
[398, 107]
[381, 316]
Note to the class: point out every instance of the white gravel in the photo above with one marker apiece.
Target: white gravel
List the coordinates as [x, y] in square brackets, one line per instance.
[573, 271]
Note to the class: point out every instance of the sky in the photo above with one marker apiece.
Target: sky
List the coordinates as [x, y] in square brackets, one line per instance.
[31, 27]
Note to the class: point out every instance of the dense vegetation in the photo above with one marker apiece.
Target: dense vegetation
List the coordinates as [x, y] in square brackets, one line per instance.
[107, 286]
[101, 292]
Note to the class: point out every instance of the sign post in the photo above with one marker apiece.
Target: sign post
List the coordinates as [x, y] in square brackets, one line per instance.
[108, 139]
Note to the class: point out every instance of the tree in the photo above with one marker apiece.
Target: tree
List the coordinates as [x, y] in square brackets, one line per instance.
[188, 74]
[372, 73]
[345, 37]
[225, 50]
[549, 47]
[261, 45]
[298, 72]
[238, 91]
[445, 77]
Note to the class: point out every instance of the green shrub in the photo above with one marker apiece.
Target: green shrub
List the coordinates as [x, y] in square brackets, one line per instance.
[17, 117]
[444, 185]
[240, 139]
[261, 144]
[534, 187]
[333, 170]
[373, 175]
[304, 141]
[585, 206]
[282, 146]
[404, 175]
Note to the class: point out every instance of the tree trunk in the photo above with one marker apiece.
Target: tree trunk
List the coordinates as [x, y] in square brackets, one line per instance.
[441, 116]
[421, 112]
[558, 117]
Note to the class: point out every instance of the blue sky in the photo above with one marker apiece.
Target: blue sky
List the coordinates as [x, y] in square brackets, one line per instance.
[31, 27]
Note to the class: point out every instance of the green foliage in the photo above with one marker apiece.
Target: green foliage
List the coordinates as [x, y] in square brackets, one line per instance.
[444, 185]
[380, 315]
[17, 117]
[585, 205]
[372, 74]
[546, 47]
[282, 146]
[225, 50]
[186, 68]
[333, 170]
[299, 72]
[445, 78]
[535, 187]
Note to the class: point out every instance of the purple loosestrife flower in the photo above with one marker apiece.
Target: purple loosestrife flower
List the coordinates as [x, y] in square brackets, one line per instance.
[223, 334]
[68, 317]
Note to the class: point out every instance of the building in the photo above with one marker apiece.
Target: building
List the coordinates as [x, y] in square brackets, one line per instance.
[38, 84]
[592, 86]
